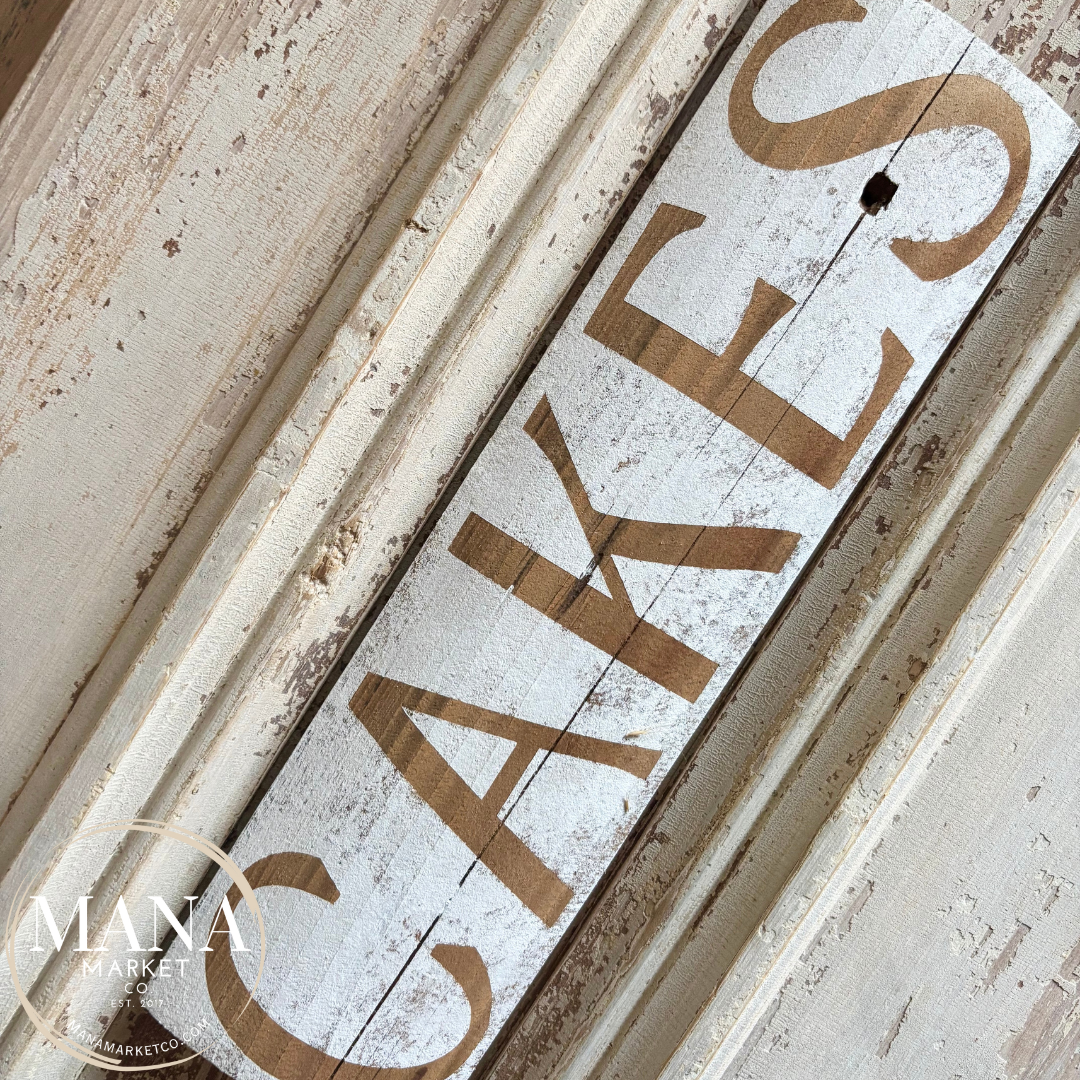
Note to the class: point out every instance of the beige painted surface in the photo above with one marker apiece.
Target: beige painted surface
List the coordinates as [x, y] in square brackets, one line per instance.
[532, 153]
[649, 451]
[181, 184]
[932, 929]
[219, 755]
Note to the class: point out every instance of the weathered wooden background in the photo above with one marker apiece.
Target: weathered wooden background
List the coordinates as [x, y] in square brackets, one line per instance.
[95, 163]
[367, 798]
[180, 187]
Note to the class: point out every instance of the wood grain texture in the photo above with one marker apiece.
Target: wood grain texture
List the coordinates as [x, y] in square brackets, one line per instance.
[800, 723]
[210, 168]
[25, 29]
[550, 130]
[404, 875]
[932, 926]
[1039, 37]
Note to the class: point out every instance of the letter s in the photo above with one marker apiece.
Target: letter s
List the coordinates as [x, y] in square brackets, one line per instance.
[879, 119]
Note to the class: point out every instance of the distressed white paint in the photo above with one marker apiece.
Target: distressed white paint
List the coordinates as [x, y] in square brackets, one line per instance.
[895, 948]
[451, 631]
[581, 98]
[800, 722]
[874, 660]
[211, 167]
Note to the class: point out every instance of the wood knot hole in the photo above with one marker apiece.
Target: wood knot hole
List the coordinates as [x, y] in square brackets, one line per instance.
[877, 194]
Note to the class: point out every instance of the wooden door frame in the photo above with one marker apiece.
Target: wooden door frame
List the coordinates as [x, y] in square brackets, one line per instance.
[323, 525]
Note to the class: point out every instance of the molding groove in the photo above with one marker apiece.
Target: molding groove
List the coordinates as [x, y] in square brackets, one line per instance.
[540, 158]
[848, 652]
[476, 271]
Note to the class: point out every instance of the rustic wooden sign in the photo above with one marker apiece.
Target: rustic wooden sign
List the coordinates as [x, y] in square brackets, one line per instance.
[692, 432]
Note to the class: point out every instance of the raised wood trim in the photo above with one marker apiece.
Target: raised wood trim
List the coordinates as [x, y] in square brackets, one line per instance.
[534, 160]
[256, 656]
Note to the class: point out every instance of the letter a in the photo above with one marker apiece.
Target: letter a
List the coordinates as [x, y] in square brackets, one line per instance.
[380, 705]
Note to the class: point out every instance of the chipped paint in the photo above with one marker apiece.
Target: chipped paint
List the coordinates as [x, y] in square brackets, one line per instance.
[180, 346]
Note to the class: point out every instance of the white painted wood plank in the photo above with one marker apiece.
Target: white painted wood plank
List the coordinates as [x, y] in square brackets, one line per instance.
[581, 100]
[802, 721]
[648, 453]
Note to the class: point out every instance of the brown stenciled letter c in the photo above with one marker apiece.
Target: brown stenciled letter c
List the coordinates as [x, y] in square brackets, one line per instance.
[285, 1056]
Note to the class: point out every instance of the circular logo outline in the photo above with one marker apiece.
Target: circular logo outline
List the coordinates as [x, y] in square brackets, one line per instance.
[20, 907]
